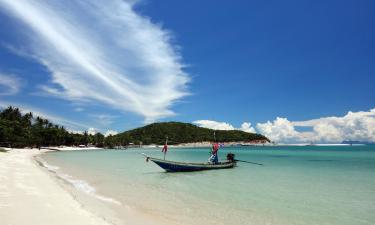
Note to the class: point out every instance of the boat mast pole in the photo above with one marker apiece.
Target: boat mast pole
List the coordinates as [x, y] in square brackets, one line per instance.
[166, 146]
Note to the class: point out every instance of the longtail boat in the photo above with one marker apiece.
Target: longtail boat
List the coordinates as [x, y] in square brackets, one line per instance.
[172, 166]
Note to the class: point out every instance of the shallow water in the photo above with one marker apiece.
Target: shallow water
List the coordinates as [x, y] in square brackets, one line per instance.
[297, 185]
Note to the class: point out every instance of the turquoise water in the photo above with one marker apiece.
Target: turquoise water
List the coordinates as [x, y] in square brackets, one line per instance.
[297, 185]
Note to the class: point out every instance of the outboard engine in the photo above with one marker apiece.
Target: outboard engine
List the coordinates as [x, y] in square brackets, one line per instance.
[230, 157]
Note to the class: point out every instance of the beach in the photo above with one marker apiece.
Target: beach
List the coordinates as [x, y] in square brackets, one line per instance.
[28, 195]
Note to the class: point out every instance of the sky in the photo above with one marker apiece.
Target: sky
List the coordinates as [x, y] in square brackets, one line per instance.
[295, 71]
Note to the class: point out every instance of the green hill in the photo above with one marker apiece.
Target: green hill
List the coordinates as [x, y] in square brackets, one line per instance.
[178, 132]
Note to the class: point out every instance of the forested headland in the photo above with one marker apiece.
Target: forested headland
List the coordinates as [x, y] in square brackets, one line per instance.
[179, 133]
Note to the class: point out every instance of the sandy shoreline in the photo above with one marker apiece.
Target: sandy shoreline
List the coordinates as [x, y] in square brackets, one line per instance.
[29, 196]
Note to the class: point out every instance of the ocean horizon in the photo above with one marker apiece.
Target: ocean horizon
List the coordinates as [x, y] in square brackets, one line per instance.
[304, 185]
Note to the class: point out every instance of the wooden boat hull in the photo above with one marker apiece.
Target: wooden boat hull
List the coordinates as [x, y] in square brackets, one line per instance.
[171, 166]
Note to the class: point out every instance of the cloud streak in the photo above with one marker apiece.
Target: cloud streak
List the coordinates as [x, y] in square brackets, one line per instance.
[104, 119]
[9, 84]
[104, 53]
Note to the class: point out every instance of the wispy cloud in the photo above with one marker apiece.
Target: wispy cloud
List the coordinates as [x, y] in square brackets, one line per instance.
[9, 84]
[104, 53]
[104, 119]
[79, 109]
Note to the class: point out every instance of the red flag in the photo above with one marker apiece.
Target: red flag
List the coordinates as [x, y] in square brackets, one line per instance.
[215, 148]
[165, 148]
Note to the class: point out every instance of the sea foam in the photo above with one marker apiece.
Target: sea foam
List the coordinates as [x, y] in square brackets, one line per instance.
[80, 185]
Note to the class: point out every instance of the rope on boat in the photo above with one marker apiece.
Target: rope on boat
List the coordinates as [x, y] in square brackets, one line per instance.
[147, 157]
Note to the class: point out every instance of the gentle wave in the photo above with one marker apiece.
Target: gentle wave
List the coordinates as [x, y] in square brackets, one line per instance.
[80, 185]
[46, 165]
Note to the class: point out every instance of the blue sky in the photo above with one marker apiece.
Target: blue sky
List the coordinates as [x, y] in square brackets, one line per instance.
[300, 65]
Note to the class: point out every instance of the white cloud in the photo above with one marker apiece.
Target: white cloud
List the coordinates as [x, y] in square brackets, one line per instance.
[356, 126]
[279, 130]
[92, 131]
[9, 84]
[110, 132]
[215, 125]
[104, 53]
[75, 131]
[246, 126]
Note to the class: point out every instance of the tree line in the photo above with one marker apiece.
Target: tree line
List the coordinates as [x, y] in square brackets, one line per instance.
[25, 130]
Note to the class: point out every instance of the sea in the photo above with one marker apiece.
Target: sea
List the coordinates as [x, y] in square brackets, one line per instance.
[296, 185]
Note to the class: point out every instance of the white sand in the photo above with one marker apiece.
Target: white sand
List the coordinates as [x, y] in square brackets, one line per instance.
[29, 196]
